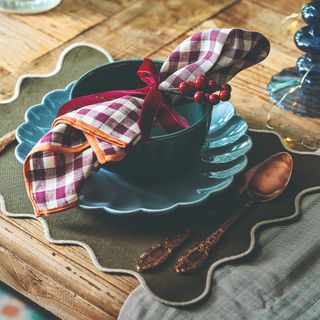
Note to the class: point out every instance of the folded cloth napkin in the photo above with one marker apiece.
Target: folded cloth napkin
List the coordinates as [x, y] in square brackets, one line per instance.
[98, 132]
[64, 157]
[282, 282]
[218, 53]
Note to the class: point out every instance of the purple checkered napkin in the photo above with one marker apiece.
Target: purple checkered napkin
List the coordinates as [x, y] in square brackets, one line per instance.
[82, 139]
[57, 166]
[218, 53]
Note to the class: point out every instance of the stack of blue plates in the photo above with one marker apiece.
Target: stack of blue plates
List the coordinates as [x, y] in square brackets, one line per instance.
[222, 156]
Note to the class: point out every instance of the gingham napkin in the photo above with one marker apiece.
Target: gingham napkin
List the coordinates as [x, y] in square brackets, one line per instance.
[218, 53]
[58, 165]
[79, 141]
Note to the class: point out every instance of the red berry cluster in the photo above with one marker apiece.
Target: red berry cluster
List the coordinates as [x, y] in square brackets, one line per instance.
[205, 91]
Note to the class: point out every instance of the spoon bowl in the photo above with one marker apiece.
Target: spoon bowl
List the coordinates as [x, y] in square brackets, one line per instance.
[270, 178]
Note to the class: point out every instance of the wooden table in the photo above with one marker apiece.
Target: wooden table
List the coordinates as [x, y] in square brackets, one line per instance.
[60, 277]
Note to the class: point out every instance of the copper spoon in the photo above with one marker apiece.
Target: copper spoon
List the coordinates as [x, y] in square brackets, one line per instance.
[263, 183]
[158, 253]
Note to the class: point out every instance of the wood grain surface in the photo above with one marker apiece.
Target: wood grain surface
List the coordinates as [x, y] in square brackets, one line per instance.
[62, 279]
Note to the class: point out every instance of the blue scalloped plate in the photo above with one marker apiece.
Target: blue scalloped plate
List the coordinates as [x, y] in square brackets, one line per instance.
[222, 156]
[38, 120]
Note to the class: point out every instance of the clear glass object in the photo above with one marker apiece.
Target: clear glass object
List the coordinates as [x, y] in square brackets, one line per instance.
[27, 6]
[298, 89]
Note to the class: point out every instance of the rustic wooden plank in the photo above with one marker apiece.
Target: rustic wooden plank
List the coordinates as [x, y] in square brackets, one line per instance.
[107, 7]
[283, 6]
[65, 273]
[3, 74]
[127, 34]
[66, 21]
[61, 285]
[20, 43]
[73, 17]
[26, 38]
[56, 19]
[148, 25]
[34, 229]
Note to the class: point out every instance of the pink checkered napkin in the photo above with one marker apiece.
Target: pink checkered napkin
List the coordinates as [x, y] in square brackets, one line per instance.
[57, 166]
[218, 53]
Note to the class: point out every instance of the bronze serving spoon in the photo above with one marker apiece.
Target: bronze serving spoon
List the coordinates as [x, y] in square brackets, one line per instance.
[263, 183]
[158, 253]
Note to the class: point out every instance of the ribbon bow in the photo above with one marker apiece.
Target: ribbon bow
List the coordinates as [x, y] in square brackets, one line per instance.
[152, 106]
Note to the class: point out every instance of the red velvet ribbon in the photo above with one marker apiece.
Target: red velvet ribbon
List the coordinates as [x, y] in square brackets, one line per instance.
[152, 106]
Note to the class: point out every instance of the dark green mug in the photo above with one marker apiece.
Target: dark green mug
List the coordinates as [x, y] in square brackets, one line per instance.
[163, 153]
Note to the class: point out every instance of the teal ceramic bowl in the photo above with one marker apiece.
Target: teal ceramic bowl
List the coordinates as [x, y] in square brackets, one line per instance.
[163, 153]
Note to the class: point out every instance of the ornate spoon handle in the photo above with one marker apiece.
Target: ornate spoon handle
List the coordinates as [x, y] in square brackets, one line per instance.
[158, 253]
[195, 257]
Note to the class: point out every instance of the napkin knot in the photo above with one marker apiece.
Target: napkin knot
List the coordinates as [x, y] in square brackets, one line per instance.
[168, 119]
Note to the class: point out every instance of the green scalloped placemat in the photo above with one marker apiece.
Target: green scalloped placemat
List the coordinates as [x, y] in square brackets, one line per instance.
[117, 241]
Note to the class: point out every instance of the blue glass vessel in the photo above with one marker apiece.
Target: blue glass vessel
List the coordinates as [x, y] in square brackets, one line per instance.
[298, 89]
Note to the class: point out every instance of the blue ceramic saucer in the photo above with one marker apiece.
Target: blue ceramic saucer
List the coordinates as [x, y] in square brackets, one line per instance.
[38, 119]
[222, 156]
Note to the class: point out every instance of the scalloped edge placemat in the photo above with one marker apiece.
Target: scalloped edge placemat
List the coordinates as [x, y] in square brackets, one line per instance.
[238, 243]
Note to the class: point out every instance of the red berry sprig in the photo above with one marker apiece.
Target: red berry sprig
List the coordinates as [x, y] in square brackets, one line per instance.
[205, 91]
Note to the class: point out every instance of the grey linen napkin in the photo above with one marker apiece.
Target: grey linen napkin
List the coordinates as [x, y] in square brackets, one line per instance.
[280, 281]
